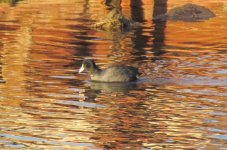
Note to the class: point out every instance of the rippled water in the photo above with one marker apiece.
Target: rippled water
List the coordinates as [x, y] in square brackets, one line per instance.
[178, 103]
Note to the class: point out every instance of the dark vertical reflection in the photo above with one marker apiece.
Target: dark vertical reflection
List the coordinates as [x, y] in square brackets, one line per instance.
[11, 2]
[113, 3]
[84, 50]
[160, 7]
[137, 10]
[1, 78]
[83, 47]
[140, 41]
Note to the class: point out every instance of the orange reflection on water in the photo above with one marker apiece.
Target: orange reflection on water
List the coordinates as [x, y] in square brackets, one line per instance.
[46, 104]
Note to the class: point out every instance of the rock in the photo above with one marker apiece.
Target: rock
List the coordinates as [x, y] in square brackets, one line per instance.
[115, 20]
[187, 12]
[112, 3]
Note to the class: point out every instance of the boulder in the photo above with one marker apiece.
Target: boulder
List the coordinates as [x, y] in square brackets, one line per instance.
[187, 12]
[115, 20]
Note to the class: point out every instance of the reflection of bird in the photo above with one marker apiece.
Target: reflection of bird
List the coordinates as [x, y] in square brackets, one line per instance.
[117, 73]
[113, 87]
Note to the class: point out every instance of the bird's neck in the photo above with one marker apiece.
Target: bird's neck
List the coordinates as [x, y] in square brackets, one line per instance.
[94, 69]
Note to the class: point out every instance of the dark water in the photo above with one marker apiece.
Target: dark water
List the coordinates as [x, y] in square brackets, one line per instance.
[178, 103]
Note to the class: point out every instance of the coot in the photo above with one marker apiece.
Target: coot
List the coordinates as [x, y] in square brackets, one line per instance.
[116, 73]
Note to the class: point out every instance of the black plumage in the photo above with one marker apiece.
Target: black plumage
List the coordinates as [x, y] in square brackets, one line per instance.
[116, 73]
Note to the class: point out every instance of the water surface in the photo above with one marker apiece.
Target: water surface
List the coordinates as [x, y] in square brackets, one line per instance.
[178, 103]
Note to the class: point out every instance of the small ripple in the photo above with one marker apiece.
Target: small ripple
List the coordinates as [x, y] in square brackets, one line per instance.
[42, 140]
[204, 81]
[217, 130]
[63, 77]
[81, 104]
[218, 113]
[204, 92]
[57, 95]
[2, 81]
[12, 144]
[210, 121]
[220, 137]
[221, 71]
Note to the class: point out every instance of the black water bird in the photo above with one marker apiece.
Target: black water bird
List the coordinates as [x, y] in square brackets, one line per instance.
[115, 73]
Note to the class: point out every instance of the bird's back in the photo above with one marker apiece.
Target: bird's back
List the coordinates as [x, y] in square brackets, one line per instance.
[117, 73]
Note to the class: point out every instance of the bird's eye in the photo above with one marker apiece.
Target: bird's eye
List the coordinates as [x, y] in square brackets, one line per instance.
[87, 65]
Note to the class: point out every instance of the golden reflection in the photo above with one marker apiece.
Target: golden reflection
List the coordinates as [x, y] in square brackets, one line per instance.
[15, 55]
[47, 104]
[124, 119]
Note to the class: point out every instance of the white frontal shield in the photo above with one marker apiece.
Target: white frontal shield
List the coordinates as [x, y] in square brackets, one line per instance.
[81, 69]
